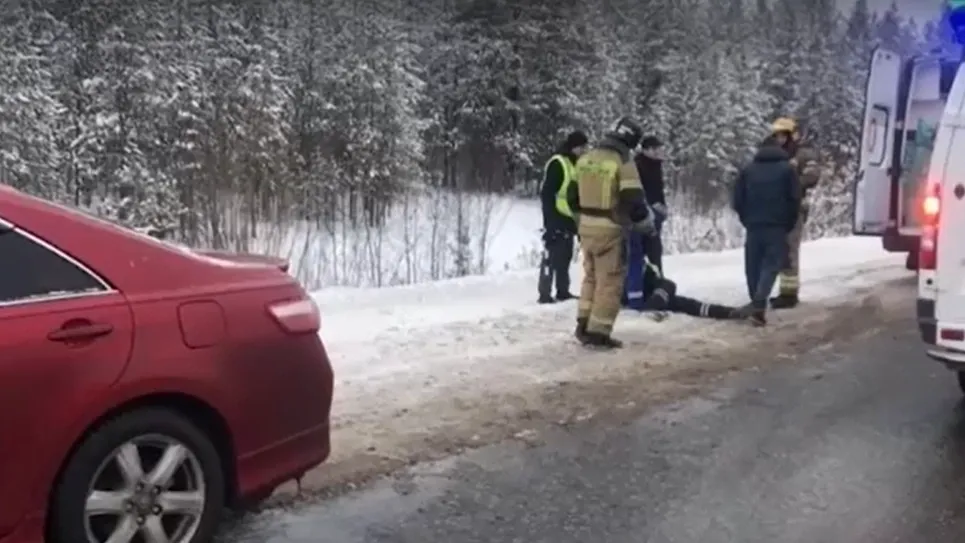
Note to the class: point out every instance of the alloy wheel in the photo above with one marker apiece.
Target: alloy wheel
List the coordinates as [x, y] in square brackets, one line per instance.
[151, 489]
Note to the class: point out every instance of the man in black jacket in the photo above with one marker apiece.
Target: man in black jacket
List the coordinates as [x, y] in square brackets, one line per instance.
[766, 198]
[559, 226]
[650, 165]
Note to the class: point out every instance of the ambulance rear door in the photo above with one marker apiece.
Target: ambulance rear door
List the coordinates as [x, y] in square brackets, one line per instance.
[948, 172]
[873, 187]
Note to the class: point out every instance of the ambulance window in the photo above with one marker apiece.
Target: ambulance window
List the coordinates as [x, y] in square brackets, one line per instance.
[876, 140]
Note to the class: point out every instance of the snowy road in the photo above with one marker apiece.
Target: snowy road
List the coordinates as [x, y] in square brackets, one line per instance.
[425, 370]
[862, 441]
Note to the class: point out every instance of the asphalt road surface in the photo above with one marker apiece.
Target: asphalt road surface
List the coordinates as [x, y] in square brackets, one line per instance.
[863, 442]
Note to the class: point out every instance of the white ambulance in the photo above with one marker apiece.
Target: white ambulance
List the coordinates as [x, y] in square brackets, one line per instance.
[904, 103]
[911, 188]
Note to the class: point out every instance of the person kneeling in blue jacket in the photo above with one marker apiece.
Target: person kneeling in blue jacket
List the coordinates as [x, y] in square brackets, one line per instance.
[642, 272]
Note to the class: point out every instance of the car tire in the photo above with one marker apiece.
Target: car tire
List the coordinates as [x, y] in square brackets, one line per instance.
[93, 477]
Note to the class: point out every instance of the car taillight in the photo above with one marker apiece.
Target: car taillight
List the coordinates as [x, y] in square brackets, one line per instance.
[297, 316]
[928, 244]
[930, 207]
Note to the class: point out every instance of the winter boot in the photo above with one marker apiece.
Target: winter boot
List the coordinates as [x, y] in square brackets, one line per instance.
[600, 341]
[758, 318]
[547, 300]
[743, 312]
[784, 301]
[580, 332]
[564, 296]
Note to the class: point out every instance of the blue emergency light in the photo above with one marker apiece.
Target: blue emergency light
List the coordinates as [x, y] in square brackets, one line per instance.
[955, 15]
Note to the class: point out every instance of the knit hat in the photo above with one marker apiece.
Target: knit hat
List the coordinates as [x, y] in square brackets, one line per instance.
[575, 139]
[650, 142]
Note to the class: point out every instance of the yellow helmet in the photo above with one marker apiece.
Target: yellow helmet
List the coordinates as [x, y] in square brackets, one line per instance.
[784, 124]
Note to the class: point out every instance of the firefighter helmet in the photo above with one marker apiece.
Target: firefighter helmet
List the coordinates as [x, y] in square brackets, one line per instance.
[626, 131]
[785, 124]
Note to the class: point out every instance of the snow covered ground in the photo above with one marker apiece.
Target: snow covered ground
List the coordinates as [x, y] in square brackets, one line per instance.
[420, 365]
[493, 315]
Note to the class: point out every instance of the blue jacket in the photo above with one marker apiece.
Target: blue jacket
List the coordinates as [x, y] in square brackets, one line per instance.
[766, 194]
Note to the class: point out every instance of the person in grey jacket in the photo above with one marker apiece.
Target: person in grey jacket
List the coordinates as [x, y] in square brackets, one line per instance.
[766, 199]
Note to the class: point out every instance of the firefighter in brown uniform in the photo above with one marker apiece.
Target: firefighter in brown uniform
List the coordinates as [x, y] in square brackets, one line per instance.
[609, 200]
[804, 161]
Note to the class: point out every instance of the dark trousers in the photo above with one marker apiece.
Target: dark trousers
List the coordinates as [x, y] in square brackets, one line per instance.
[557, 255]
[664, 298]
[765, 251]
[654, 252]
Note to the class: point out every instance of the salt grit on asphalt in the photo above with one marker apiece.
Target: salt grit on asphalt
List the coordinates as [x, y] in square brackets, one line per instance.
[425, 368]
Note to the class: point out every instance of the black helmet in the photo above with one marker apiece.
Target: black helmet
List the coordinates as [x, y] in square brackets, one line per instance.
[626, 131]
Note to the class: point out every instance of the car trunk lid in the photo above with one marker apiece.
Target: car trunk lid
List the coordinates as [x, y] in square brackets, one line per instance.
[245, 259]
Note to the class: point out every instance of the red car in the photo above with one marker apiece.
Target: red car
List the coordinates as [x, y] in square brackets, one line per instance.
[145, 387]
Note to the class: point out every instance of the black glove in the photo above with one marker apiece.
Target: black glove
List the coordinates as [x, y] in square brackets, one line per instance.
[555, 234]
[646, 227]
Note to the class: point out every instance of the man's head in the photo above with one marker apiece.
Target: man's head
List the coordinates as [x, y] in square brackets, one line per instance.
[652, 148]
[575, 143]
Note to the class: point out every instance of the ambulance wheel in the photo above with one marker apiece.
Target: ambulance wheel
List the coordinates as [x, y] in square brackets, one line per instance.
[961, 380]
[911, 261]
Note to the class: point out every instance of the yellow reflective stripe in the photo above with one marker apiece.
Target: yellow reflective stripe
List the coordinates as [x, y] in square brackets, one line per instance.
[597, 320]
[606, 198]
[789, 284]
[631, 183]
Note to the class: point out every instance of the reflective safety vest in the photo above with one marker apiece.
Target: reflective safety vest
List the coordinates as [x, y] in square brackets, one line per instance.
[568, 175]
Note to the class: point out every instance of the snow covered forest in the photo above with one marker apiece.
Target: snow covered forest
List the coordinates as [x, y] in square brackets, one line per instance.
[371, 140]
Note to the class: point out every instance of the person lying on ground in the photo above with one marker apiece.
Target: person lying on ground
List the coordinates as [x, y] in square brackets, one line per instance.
[663, 299]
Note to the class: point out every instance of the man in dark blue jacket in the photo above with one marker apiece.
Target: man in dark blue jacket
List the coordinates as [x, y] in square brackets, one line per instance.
[766, 198]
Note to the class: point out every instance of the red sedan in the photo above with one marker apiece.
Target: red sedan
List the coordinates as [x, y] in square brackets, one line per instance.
[145, 387]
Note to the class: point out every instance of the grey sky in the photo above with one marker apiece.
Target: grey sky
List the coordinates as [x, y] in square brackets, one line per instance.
[919, 9]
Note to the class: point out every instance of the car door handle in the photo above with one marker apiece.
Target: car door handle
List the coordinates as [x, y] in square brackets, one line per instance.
[80, 332]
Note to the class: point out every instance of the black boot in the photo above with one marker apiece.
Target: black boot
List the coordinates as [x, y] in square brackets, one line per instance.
[758, 318]
[784, 301]
[754, 315]
[742, 312]
[597, 340]
[547, 300]
[564, 296]
[580, 332]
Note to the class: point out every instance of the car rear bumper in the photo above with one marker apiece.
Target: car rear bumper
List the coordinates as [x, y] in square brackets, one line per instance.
[308, 442]
[261, 473]
[928, 328]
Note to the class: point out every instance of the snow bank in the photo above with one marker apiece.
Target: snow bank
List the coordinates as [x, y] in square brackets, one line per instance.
[475, 313]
